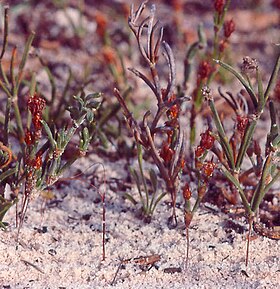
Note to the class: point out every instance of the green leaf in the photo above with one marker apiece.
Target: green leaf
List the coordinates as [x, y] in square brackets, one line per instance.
[241, 79]
[49, 134]
[153, 178]
[93, 95]
[90, 116]
[130, 198]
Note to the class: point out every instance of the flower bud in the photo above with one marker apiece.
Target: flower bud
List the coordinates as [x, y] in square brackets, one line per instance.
[207, 140]
[187, 192]
[229, 27]
[219, 6]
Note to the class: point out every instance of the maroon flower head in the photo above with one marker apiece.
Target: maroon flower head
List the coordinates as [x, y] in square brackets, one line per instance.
[36, 104]
[219, 6]
[229, 28]
[207, 140]
[204, 69]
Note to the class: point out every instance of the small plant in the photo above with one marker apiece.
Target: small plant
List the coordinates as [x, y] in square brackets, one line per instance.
[203, 170]
[169, 157]
[39, 162]
[148, 202]
[266, 170]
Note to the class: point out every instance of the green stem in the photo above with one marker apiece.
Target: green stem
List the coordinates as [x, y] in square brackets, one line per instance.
[259, 192]
[273, 77]
[140, 163]
[236, 183]
[223, 138]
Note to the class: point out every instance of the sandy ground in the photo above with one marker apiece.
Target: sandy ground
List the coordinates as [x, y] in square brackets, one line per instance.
[62, 248]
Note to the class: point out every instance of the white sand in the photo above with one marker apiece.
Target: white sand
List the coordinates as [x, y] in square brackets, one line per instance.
[69, 254]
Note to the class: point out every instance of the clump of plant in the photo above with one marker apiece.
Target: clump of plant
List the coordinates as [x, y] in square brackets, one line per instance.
[202, 171]
[38, 162]
[168, 155]
[244, 144]
[147, 189]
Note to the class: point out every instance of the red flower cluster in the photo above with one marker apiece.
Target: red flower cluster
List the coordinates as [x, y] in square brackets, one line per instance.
[204, 69]
[207, 140]
[36, 104]
[219, 6]
[229, 28]
[206, 143]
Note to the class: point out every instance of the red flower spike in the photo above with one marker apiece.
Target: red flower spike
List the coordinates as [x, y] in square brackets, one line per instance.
[219, 6]
[207, 140]
[187, 192]
[229, 28]
[204, 69]
[36, 104]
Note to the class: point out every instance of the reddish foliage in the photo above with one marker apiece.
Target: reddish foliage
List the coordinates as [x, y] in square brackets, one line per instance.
[166, 153]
